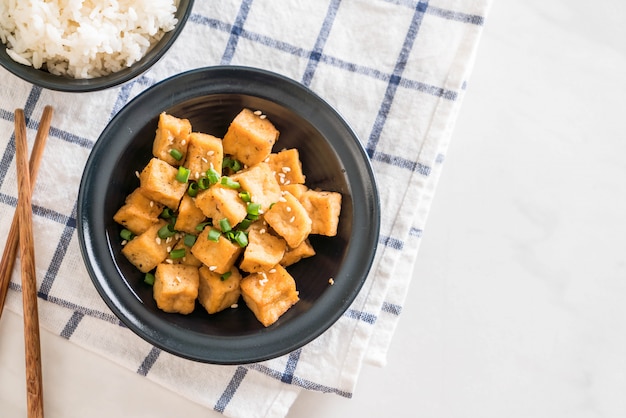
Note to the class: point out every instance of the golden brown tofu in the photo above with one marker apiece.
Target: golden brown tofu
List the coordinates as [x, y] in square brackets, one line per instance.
[188, 259]
[289, 219]
[260, 183]
[269, 294]
[219, 202]
[297, 190]
[138, 212]
[205, 151]
[287, 167]
[147, 250]
[218, 292]
[293, 255]
[263, 251]
[172, 133]
[250, 138]
[189, 216]
[324, 209]
[219, 256]
[158, 182]
[176, 288]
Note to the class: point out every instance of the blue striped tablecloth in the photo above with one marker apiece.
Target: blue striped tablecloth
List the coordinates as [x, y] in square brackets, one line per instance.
[395, 69]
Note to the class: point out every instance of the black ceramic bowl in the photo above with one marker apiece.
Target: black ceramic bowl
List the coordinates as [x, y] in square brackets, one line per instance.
[50, 81]
[332, 158]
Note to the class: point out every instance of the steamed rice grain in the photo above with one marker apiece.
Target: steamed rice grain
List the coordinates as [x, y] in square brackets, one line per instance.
[83, 38]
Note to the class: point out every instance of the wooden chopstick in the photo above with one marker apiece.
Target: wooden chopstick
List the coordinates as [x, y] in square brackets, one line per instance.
[34, 386]
[10, 249]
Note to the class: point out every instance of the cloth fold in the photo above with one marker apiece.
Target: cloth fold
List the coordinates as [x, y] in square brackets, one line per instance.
[395, 69]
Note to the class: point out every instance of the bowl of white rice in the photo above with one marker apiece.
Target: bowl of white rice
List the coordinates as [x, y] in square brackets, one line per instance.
[87, 45]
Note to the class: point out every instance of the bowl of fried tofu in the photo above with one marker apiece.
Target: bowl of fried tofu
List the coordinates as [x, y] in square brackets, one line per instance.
[228, 215]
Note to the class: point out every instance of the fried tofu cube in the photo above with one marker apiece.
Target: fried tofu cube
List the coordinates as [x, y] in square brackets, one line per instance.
[289, 219]
[287, 167]
[138, 212]
[269, 294]
[172, 133]
[297, 190]
[324, 209]
[260, 183]
[219, 202]
[189, 216]
[263, 251]
[176, 288]
[147, 250]
[250, 138]
[158, 182]
[293, 255]
[218, 291]
[218, 255]
[205, 151]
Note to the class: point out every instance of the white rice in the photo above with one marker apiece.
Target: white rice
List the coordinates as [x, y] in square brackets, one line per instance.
[83, 38]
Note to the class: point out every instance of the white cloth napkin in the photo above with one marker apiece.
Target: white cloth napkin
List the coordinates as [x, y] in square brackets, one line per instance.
[395, 69]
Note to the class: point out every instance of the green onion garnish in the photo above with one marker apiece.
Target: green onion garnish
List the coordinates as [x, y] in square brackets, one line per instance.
[253, 209]
[183, 175]
[193, 189]
[245, 196]
[230, 183]
[177, 253]
[245, 224]
[213, 176]
[166, 231]
[204, 183]
[225, 225]
[149, 279]
[189, 240]
[126, 234]
[201, 226]
[167, 213]
[225, 275]
[177, 155]
[241, 238]
[214, 235]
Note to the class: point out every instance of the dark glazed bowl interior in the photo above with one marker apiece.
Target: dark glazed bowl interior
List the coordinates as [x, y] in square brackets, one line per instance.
[50, 81]
[332, 159]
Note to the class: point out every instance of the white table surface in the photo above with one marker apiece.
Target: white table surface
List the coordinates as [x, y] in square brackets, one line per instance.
[517, 307]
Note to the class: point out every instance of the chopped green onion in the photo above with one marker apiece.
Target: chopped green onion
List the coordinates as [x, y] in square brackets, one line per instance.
[245, 224]
[214, 235]
[167, 213]
[201, 226]
[230, 235]
[225, 225]
[193, 189]
[241, 238]
[225, 275]
[231, 163]
[253, 209]
[230, 183]
[183, 175]
[126, 234]
[204, 183]
[149, 279]
[166, 231]
[189, 240]
[213, 176]
[245, 196]
[235, 165]
[177, 155]
[177, 253]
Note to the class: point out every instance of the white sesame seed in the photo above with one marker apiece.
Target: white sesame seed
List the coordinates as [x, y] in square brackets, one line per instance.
[282, 199]
[197, 175]
[262, 231]
[331, 281]
[158, 240]
[178, 279]
[286, 169]
[234, 306]
[168, 240]
[137, 174]
[183, 142]
[293, 218]
[267, 160]
[169, 249]
[263, 116]
[288, 208]
[210, 153]
[287, 182]
[272, 271]
[258, 112]
[151, 204]
[212, 268]
[169, 261]
[205, 160]
[124, 242]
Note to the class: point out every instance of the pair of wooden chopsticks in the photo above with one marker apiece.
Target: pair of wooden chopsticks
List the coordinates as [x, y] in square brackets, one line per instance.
[22, 232]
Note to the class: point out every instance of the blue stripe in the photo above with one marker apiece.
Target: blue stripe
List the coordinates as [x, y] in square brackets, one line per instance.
[322, 37]
[444, 13]
[416, 232]
[149, 361]
[290, 367]
[361, 316]
[235, 31]
[391, 242]
[392, 308]
[231, 389]
[59, 255]
[401, 162]
[72, 324]
[392, 86]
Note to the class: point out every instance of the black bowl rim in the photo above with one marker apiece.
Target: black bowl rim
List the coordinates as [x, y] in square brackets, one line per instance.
[272, 342]
[77, 85]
